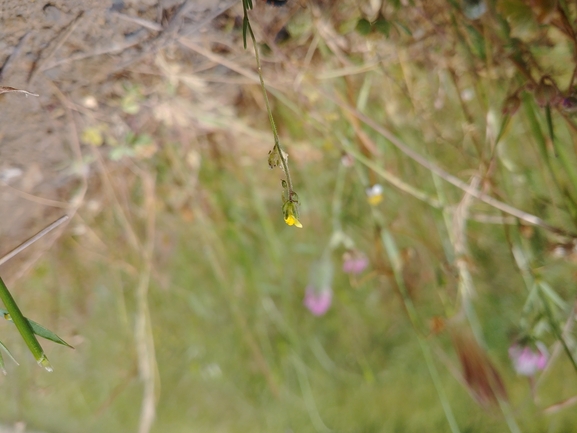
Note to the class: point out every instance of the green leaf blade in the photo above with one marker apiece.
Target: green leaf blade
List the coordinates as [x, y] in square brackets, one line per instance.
[39, 330]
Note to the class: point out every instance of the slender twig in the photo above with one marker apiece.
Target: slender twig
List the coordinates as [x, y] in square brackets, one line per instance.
[37, 199]
[5, 89]
[34, 238]
[560, 406]
[55, 46]
[147, 365]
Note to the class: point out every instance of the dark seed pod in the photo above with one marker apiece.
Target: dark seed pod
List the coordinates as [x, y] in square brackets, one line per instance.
[546, 93]
[569, 104]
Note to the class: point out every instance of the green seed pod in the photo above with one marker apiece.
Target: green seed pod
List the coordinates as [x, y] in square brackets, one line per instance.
[273, 158]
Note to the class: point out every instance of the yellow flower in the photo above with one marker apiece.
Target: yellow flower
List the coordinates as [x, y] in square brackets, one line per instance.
[291, 220]
[290, 214]
[374, 194]
[375, 199]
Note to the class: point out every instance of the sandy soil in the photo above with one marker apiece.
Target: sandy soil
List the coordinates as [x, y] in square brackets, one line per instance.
[72, 53]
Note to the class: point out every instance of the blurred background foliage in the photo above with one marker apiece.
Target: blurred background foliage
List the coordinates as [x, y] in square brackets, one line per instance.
[182, 288]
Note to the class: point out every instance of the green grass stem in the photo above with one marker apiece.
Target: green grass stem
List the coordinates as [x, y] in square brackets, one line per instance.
[23, 327]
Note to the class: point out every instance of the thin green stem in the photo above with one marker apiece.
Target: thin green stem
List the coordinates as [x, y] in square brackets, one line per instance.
[23, 327]
[396, 264]
[308, 396]
[532, 281]
[555, 327]
[509, 417]
[338, 198]
[277, 145]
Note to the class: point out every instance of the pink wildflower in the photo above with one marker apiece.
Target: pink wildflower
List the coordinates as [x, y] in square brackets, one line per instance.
[318, 301]
[527, 361]
[354, 262]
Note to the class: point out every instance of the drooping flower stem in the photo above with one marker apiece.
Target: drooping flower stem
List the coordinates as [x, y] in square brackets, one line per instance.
[277, 146]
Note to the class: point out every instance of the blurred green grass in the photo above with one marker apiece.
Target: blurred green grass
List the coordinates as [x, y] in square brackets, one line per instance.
[235, 348]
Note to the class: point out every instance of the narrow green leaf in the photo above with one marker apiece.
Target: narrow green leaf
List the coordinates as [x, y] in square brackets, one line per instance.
[504, 125]
[550, 127]
[477, 42]
[2, 364]
[8, 353]
[244, 30]
[39, 330]
[535, 127]
[403, 28]
[23, 327]
[568, 164]
[553, 295]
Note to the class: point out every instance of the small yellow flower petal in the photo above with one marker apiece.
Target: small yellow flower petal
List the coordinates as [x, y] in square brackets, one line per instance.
[291, 220]
[375, 199]
[290, 212]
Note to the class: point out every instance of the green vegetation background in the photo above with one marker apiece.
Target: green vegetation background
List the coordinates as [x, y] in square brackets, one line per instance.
[180, 285]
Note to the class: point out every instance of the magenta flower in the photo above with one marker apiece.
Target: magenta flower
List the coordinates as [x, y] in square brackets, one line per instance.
[318, 301]
[527, 361]
[354, 262]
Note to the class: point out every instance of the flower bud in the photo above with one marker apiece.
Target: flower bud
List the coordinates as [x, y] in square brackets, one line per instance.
[545, 93]
[569, 104]
[273, 158]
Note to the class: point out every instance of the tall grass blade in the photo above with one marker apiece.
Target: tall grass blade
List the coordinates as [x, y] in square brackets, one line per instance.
[23, 327]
